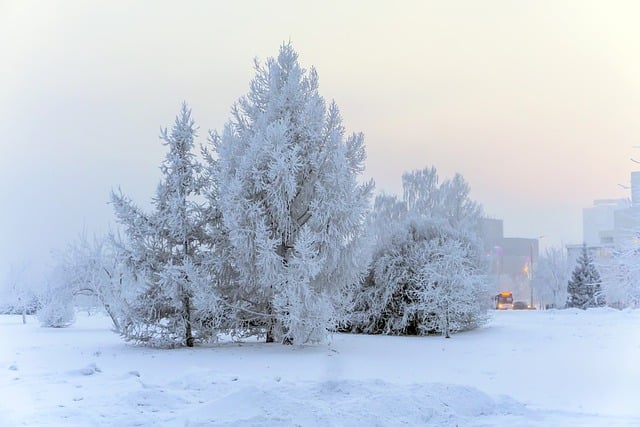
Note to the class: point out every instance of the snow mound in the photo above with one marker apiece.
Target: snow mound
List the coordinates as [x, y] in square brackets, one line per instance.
[87, 370]
[355, 403]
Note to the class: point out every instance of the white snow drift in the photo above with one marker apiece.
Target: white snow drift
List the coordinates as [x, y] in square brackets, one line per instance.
[524, 368]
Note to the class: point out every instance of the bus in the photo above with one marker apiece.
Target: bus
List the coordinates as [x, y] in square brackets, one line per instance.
[504, 301]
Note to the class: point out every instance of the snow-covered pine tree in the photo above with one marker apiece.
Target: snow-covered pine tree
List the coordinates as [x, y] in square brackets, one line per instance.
[584, 288]
[168, 300]
[291, 202]
[427, 274]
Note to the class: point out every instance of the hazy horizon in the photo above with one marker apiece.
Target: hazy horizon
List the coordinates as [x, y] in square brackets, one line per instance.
[535, 103]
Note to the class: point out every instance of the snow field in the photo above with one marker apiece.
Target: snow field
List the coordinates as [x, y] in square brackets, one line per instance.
[525, 368]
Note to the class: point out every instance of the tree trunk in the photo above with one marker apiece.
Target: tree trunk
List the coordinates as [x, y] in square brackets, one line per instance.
[114, 319]
[282, 251]
[186, 299]
[186, 305]
[446, 323]
[270, 324]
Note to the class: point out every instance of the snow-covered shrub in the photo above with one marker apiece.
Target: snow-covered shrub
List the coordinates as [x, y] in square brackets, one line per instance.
[287, 188]
[56, 306]
[427, 273]
[92, 271]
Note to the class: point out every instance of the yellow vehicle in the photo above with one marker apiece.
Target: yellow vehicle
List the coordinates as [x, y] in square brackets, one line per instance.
[504, 301]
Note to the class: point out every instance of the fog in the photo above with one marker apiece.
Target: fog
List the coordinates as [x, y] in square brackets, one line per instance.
[535, 103]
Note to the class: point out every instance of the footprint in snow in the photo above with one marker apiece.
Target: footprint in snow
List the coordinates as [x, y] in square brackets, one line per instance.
[88, 370]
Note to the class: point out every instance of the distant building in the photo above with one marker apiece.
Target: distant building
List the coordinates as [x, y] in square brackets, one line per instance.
[601, 254]
[611, 223]
[519, 254]
[510, 259]
[598, 221]
[492, 232]
[626, 225]
[608, 225]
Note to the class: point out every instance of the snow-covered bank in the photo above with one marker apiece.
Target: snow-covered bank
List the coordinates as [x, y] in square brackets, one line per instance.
[567, 368]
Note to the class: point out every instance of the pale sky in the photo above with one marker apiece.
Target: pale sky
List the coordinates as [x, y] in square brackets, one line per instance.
[536, 104]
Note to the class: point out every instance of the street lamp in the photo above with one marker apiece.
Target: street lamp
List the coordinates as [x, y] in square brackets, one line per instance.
[531, 268]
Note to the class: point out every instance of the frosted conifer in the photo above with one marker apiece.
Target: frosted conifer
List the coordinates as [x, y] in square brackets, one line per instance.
[167, 298]
[584, 288]
[291, 203]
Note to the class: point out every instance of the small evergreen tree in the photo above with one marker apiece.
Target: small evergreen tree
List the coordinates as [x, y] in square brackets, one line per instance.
[169, 297]
[584, 289]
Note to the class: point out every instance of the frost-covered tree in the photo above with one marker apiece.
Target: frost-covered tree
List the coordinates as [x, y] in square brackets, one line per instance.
[551, 275]
[427, 274]
[19, 292]
[169, 298]
[621, 275]
[291, 203]
[56, 309]
[92, 270]
[584, 289]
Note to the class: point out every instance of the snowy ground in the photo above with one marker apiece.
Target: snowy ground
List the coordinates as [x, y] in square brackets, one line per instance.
[525, 368]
